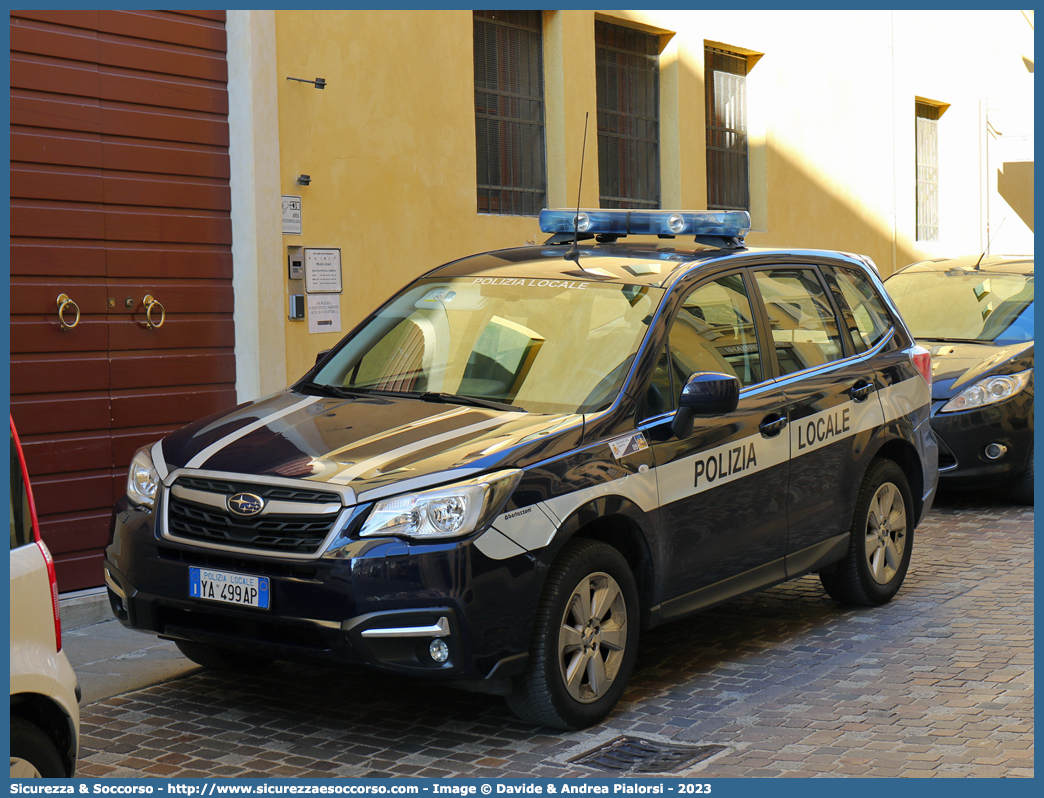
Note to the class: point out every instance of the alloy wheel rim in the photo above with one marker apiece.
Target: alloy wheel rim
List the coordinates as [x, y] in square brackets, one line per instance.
[23, 769]
[885, 533]
[592, 637]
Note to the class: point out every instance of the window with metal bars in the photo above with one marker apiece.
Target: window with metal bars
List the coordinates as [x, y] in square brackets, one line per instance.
[509, 112]
[927, 146]
[627, 79]
[725, 92]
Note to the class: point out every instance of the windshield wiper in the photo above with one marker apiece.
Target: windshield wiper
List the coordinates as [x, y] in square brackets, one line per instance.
[473, 401]
[334, 390]
[954, 340]
[429, 396]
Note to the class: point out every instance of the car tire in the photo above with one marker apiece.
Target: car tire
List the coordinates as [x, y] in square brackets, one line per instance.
[33, 753]
[1022, 489]
[221, 659]
[878, 556]
[593, 642]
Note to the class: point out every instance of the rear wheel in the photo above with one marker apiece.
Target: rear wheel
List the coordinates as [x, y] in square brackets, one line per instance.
[33, 753]
[221, 659]
[882, 540]
[584, 640]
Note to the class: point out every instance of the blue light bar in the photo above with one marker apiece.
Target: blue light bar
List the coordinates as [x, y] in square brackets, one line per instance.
[729, 224]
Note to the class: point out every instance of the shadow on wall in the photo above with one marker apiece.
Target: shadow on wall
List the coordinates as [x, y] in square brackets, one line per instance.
[1015, 185]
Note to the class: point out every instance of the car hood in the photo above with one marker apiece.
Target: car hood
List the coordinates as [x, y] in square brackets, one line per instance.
[367, 443]
[957, 365]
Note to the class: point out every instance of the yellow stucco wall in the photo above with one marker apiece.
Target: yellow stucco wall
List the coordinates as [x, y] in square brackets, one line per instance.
[390, 141]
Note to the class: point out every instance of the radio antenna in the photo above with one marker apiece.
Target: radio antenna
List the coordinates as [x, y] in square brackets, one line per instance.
[988, 243]
[574, 251]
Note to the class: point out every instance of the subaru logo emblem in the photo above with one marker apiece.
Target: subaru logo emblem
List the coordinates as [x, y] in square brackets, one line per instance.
[246, 504]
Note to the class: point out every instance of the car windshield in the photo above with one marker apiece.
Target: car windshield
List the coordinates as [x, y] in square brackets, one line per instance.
[543, 346]
[960, 305]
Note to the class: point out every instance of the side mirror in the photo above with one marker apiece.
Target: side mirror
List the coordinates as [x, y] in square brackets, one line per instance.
[706, 393]
[319, 357]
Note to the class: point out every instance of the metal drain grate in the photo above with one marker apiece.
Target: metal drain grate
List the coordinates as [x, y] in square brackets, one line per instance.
[636, 755]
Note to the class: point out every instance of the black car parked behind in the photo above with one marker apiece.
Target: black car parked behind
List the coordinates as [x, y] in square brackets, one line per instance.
[975, 315]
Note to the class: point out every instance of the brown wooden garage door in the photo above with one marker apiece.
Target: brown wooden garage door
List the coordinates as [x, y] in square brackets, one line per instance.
[119, 189]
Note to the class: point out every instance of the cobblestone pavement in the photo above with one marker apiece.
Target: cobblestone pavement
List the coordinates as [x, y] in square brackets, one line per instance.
[937, 683]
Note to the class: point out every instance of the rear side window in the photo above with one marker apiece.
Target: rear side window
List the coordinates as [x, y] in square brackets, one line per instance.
[21, 520]
[866, 315]
[804, 327]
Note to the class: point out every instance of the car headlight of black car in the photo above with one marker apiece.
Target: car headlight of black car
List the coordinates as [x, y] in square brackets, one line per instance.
[446, 512]
[988, 391]
[142, 478]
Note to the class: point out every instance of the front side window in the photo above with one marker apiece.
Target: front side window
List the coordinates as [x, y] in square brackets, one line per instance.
[726, 103]
[509, 112]
[714, 331]
[544, 346]
[803, 325]
[627, 80]
[965, 305]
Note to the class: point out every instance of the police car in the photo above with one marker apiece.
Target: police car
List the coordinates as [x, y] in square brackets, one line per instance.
[527, 456]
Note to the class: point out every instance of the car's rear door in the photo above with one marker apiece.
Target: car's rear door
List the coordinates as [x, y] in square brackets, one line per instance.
[833, 396]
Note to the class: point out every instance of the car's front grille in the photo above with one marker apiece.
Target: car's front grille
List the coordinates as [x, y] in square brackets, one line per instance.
[266, 492]
[284, 533]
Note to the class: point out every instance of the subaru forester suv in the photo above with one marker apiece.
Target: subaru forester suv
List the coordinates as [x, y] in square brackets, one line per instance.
[527, 456]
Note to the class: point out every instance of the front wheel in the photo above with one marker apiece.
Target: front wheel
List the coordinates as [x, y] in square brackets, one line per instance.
[33, 754]
[584, 640]
[878, 555]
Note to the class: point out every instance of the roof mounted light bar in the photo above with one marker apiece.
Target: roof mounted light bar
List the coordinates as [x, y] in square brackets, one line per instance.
[719, 224]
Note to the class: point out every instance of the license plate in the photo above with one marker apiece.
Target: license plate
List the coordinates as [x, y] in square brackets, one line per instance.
[228, 587]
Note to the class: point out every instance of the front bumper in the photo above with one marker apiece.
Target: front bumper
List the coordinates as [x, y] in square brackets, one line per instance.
[964, 436]
[382, 606]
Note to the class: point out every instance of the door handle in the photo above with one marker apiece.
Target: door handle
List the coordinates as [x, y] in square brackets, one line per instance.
[64, 303]
[151, 304]
[771, 427]
[861, 390]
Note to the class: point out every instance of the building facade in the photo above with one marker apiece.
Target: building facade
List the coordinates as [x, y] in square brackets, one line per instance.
[870, 132]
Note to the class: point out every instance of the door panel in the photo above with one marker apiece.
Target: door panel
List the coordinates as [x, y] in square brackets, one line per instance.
[723, 494]
[119, 188]
[722, 488]
[89, 451]
[51, 375]
[832, 397]
[136, 370]
[44, 414]
[71, 258]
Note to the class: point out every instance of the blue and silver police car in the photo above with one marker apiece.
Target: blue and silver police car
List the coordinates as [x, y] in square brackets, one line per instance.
[527, 456]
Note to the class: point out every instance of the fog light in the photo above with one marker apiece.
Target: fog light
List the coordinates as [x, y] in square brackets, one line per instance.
[438, 650]
[996, 450]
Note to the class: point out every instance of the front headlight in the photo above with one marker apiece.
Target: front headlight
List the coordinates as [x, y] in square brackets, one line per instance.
[142, 478]
[446, 512]
[988, 391]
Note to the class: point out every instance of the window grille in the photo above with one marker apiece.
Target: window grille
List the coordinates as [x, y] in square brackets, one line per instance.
[509, 112]
[725, 76]
[628, 84]
[927, 120]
